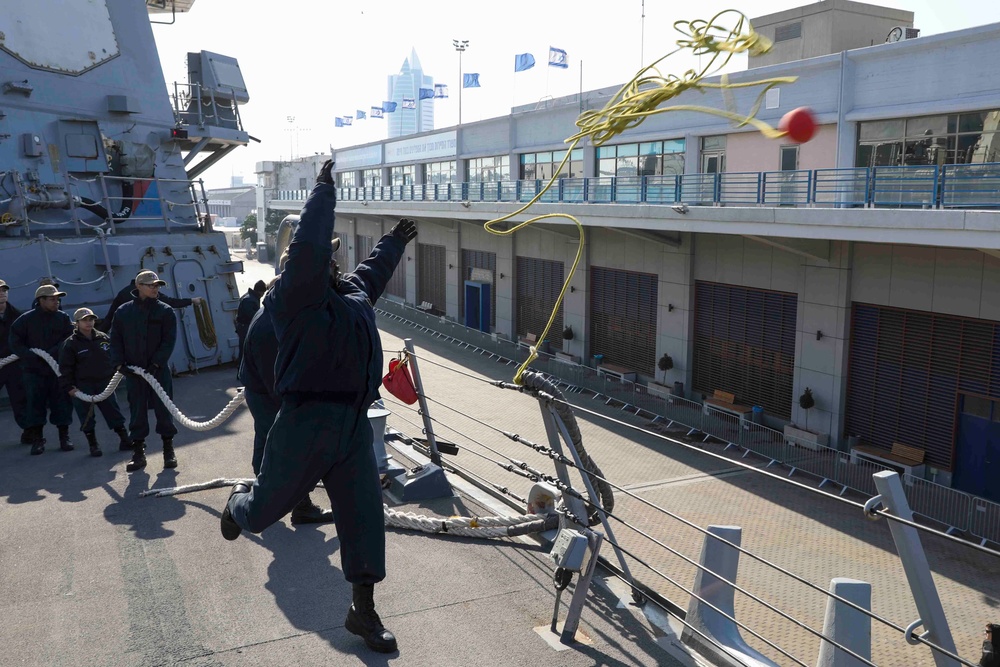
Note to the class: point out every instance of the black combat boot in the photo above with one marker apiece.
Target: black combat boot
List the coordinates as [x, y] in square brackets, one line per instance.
[138, 461]
[124, 442]
[64, 443]
[230, 529]
[26, 437]
[307, 512]
[95, 448]
[363, 621]
[169, 459]
[37, 440]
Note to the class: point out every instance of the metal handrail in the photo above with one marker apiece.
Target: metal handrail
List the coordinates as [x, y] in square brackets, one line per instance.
[912, 186]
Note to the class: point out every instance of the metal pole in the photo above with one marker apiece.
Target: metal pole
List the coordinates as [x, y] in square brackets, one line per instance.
[424, 414]
[568, 635]
[918, 572]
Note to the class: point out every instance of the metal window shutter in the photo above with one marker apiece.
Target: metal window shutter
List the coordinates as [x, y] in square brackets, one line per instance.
[478, 259]
[539, 282]
[341, 255]
[363, 246]
[744, 343]
[623, 317]
[431, 275]
[906, 370]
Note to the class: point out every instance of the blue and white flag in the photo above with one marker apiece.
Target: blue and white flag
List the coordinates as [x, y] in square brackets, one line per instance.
[338, 122]
[376, 112]
[523, 61]
[348, 120]
[557, 58]
[388, 107]
[426, 93]
[360, 114]
[409, 103]
[470, 81]
[440, 90]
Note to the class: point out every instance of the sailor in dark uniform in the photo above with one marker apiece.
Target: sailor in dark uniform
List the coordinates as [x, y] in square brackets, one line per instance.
[44, 327]
[128, 293]
[10, 375]
[248, 307]
[260, 350]
[327, 374]
[85, 366]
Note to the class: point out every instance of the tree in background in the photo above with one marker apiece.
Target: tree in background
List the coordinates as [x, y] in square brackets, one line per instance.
[248, 230]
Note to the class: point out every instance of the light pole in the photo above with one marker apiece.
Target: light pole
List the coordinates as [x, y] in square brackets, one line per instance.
[460, 45]
[291, 130]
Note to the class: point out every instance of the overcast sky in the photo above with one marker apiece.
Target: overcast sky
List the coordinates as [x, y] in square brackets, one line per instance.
[314, 61]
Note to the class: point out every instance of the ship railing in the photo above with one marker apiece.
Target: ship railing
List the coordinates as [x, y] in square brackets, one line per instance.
[657, 556]
[973, 186]
[195, 106]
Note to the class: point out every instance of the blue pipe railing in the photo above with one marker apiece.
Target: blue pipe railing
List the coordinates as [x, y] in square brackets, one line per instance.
[975, 186]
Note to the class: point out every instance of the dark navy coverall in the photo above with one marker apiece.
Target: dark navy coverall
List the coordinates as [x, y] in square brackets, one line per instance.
[143, 334]
[128, 293]
[46, 331]
[85, 363]
[10, 375]
[327, 373]
[257, 375]
[248, 307]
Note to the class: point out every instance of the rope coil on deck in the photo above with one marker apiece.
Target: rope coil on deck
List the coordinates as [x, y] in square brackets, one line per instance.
[183, 419]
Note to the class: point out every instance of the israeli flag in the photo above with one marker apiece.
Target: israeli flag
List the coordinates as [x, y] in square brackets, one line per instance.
[348, 120]
[426, 93]
[409, 103]
[338, 122]
[388, 107]
[523, 61]
[470, 81]
[440, 90]
[376, 112]
[557, 58]
[360, 114]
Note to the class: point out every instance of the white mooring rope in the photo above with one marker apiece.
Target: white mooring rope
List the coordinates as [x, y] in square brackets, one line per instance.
[183, 419]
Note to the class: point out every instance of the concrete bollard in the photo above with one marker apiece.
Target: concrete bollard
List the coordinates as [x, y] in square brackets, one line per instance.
[845, 625]
[724, 560]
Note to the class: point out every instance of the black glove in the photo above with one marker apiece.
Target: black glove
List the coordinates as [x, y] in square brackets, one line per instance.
[405, 230]
[153, 369]
[325, 174]
[124, 370]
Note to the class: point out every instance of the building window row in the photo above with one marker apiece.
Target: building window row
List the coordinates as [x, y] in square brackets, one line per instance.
[489, 169]
[958, 138]
[347, 179]
[440, 172]
[544, 165]
[371, 178]
[402, 175]
[650, 158]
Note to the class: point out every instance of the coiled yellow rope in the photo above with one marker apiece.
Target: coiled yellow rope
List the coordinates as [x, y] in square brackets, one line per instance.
[641, 97]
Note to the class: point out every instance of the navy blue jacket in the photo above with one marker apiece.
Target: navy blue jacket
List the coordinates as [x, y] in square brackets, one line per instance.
[249, 305]
[6, 321]
[85, 360]
[143, 334]
[259, 354]
[327, 337]
[41, 329]
[128, 293]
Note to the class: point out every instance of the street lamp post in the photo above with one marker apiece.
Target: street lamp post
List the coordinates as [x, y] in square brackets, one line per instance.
[460, 45]
[291, 150]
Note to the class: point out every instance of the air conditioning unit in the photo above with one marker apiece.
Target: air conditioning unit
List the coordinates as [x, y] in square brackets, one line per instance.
[899, 33]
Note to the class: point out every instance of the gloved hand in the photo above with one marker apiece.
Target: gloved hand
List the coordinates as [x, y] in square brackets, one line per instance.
[325, 173]
[153, 369]
[124, 370]
[405, 230]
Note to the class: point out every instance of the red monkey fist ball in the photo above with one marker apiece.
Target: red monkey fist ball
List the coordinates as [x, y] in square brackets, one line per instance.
[800, 124]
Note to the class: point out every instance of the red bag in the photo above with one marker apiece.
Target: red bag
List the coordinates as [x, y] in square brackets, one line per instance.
[398, 381]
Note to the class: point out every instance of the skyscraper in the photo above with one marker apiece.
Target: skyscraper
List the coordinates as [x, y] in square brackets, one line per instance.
[407, 85]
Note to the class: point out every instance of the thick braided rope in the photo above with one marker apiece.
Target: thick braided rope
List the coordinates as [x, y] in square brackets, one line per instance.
[184, 420]
[462, 526]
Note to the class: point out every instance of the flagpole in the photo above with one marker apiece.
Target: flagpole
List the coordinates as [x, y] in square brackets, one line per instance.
[460, 45]
[642, 36]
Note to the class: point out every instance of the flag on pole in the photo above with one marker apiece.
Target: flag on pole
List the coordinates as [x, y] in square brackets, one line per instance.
[376, 112]
[557, 58]
[388, 107]
[440, 90]
[470, 81]
[348, 120]
[409, 103]
[523, 61]
[427, 93]
[338, 122]
[360, 114]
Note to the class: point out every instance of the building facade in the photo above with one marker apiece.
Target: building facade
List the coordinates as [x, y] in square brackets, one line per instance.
[406, 86]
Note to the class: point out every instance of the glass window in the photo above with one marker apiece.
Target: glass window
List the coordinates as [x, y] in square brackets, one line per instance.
[489, 169]
[930, 140]
[881, 129]
[348, 179]
[371, 178]
[928, 126]
[439, 172]
[544, 165]
[402, 175]
[650, 158]
[716, 143]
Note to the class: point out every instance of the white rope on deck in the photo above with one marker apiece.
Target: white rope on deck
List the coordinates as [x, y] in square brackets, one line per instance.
[183, 419]
[462, 526]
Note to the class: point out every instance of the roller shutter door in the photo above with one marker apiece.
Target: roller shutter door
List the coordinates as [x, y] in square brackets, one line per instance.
[478, 259]
[744, 343]
[906, 371]
[623, 318]
[538, 284]
[430, 275]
